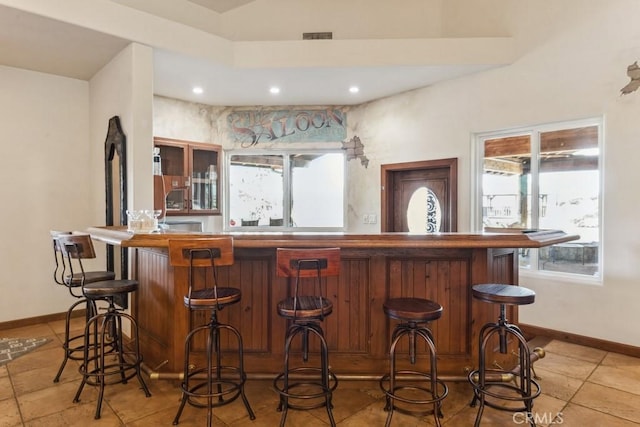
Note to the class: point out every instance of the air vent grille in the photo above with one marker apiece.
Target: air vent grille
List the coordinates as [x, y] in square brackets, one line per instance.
[317, 36]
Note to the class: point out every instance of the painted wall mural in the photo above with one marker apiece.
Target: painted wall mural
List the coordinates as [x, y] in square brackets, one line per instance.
[633, 72]
[354, 149]
[251, 127]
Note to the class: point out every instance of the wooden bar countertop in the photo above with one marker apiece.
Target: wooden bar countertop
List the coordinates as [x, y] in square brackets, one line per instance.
[507, 239]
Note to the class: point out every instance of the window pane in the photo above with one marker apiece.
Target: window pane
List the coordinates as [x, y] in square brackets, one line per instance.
[506, 182]
[569, 198]
[255, 189]
[424, 214]
[506, 185]
[317, 190]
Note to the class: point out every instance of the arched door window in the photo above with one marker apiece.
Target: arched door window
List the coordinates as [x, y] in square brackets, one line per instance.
[424, 213]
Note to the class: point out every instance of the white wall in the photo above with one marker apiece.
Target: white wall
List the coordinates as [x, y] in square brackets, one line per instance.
[53, 135]
[124, 88]
[44, 170]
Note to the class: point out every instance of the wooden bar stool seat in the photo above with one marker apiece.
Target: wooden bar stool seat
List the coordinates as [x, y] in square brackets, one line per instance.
[207, 298]
[211, 384]
[412, 387]
[499, 394]
[90, 277]
[105, 360]
[416, 310]
[106, 289]
[503, 294]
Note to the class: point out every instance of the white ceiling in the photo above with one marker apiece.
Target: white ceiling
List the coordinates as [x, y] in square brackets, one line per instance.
[221, 6]
[41, 44]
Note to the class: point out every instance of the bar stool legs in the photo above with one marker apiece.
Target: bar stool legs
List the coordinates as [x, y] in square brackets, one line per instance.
[286, 387]
[305, 387]
[219, 389]
[74, 344]
[211, 385]
[432, 388]
[106, 360]
[523, 390]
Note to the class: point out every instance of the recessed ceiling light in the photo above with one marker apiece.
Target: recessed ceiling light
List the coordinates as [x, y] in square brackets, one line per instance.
[354, 89]
[197, 89]
[274, 90]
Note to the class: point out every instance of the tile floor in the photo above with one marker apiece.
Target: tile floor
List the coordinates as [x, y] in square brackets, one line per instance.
[581, 387]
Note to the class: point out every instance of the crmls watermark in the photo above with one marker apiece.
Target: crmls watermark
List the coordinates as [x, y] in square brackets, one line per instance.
[546, 418]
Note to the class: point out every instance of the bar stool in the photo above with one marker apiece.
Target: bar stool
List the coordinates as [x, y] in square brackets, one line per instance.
[74, 345]
[525, 388]
[305, 311]
[413, 314]
[105, 359]
[221, 384]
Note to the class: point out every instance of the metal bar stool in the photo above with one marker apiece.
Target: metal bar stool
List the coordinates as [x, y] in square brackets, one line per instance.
[73, 346]
[221, 384]
[313, 386]
[413, 314]
[106, 360]
[525, 388]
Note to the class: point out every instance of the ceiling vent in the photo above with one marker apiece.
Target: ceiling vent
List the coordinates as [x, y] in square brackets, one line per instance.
[317, 36]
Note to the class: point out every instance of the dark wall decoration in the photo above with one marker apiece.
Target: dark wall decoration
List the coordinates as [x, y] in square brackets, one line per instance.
[115, 167]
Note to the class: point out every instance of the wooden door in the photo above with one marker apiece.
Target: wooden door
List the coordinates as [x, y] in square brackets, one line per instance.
[420, 196]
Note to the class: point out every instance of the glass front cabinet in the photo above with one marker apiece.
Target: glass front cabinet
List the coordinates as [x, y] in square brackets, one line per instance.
[189, 180]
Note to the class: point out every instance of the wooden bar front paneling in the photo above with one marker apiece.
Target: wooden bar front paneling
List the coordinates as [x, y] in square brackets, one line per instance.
[373, 268]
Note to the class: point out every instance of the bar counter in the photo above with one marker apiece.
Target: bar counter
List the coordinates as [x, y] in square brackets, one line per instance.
[441, 267]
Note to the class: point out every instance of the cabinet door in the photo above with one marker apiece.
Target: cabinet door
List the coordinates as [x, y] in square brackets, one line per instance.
[174, 157]
[204, 179]
[189, 184]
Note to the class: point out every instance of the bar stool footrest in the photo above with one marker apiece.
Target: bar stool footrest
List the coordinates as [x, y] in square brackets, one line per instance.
[229, 389]
[73, 345]
[506, 392]
[299, 379]
[96, 376]
[440, 394]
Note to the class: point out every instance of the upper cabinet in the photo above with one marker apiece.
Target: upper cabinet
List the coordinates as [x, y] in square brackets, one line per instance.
[189, 183]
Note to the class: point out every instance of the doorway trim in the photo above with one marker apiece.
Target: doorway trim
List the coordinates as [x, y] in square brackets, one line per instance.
[387, 174]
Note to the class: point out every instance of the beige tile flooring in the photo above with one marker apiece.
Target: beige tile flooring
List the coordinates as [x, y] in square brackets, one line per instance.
[581, 386]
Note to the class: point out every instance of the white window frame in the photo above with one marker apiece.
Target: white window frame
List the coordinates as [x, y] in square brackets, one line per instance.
[287, 196]
[534, 132]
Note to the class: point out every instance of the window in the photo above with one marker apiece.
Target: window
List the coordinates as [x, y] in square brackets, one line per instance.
[275, 191]
[545, 177]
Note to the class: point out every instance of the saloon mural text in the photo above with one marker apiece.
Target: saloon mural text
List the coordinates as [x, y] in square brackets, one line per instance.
[252, 127]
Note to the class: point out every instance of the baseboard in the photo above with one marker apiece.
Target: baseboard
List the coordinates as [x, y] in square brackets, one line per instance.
[614, 347]
[20, 323]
